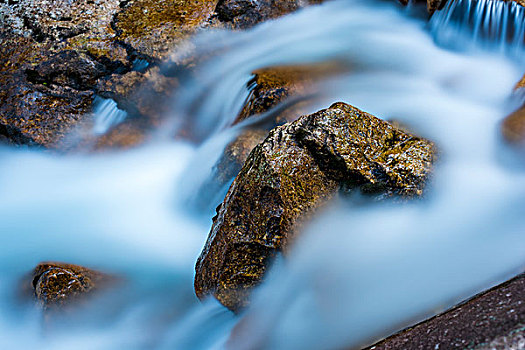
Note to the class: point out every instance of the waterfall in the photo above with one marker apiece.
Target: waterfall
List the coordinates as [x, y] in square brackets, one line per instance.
[106, 115]
[465, 24]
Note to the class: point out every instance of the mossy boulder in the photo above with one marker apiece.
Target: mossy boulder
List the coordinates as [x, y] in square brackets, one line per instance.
[59, 284]
[297, 169]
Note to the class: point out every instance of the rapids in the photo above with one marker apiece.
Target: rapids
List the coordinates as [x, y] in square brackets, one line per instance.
[362, 270]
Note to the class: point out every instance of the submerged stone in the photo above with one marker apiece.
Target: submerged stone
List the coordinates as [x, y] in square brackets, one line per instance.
[59, 284]
[297, 169]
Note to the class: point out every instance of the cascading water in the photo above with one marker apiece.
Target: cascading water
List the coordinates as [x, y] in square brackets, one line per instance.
[359, 273]
[468, 24]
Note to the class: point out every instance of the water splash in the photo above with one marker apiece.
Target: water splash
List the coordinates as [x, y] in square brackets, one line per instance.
[467, 24]
[106, 115]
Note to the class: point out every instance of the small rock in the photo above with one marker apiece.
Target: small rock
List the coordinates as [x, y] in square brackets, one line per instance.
[58, 284]
[290, 175]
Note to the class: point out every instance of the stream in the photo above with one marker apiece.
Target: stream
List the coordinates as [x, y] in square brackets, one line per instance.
[362, 270]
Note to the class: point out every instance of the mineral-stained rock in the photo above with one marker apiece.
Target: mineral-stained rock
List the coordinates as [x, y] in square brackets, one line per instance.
[34, 113]
[513, 128]
[237, 152]
[494, 319]
[47, 71]
[246, 13]
[57, 284]
[153, 27]
[292, 173]
[271, 86]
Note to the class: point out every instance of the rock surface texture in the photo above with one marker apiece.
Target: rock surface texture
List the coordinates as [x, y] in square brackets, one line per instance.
[513, 126]
[492, 320]
[56, 55]
[291, 174]
[58, 284]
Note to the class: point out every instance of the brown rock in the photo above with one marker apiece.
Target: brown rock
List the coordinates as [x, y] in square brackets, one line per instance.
[36, 112]
[152, 28]
[290, 175]
[513, 128]
[58, 284]
[495, 317]
[271, 86]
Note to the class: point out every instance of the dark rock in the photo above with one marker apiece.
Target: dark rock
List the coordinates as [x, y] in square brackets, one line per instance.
[67, 68]
[236, 153]
[33, 113]
[59, 284]
[290, 175]
[247, 13]
[494, 319]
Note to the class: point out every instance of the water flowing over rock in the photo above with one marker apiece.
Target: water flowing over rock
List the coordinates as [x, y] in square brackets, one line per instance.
[290, 175]
[513, 126]
[271, 86]
[59, 284]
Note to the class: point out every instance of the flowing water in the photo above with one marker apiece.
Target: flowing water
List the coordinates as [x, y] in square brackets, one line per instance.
[362, 270]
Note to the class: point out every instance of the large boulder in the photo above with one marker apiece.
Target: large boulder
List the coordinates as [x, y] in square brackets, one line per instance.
[298, 168]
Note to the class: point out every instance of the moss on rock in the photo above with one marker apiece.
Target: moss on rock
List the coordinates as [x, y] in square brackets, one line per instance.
[290, 175]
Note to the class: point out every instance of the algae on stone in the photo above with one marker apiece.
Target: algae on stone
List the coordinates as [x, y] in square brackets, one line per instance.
[298, 168]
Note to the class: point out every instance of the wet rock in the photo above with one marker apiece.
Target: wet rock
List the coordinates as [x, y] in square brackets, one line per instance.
[271, 86]
[290, 175]
[59, 284]
[236, 153]
[67, 68]
[152, 28]
[47, 70]
[35, 113]
[243, 14]
[494, 319]
[129, 134]
[513, 128]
